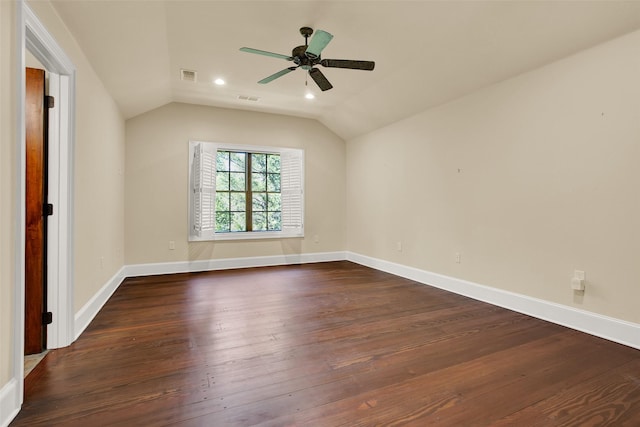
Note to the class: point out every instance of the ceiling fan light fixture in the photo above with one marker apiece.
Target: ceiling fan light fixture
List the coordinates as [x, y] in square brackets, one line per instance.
[219, 82]
[309, 95]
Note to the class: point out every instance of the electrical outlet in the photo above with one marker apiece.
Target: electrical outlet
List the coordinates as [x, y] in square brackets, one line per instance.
[399, 246]
[458, 257]
[577, 282]
[172, 245]
[316, 238]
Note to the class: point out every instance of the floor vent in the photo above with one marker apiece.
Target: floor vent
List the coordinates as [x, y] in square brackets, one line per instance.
[188, 75]
[248, 98]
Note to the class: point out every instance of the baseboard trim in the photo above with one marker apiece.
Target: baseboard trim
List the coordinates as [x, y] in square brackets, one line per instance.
[609, 328]
[93, 306]
[9, 402]
[230, 263]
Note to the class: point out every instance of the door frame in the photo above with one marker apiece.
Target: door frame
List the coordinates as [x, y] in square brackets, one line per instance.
[33, 36]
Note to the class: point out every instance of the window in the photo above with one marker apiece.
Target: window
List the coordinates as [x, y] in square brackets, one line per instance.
[244, 192]
[247, 192]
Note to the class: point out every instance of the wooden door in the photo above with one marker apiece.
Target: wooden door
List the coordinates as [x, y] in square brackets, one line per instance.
[35, 233]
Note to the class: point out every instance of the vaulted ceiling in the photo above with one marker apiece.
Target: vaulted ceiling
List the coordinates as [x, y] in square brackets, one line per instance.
[426, 52]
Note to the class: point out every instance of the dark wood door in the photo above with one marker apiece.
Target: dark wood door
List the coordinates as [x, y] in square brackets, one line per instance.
[35, 237]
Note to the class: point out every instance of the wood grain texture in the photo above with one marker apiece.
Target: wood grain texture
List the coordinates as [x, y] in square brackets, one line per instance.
[330, 344]
[34, 330]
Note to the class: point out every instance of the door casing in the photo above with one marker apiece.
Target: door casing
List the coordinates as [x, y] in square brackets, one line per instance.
[32, 35]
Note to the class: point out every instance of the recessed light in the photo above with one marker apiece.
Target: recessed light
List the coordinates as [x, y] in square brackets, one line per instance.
[309, 95]
[219, 81]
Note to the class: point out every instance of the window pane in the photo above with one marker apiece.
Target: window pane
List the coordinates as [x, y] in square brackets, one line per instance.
[258, 182]
[222, 161]
[238, 221]
[222, 181]
[222, 201]
[259, 202]
[259, 162]
[238, 202]
[237, 162]
[274, 222]
[274, 202]
[273, 182]
[259, 221]
[273, 163]
[222, 221]
[237, 181]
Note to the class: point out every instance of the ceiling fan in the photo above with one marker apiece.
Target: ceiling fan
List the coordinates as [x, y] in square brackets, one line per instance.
[308, 56]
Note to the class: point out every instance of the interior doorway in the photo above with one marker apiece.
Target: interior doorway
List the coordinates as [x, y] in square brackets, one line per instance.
[35, 39]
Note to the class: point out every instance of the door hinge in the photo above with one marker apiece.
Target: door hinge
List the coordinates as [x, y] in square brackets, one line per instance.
[50, 101]
[47, 209]
[47, 318]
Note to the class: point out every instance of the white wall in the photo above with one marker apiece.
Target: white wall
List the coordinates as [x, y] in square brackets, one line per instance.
[7, 185]
[528, 180]
[157, 176]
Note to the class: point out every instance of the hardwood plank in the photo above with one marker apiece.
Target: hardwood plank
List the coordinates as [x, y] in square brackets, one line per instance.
[610, 398]
[324, 344]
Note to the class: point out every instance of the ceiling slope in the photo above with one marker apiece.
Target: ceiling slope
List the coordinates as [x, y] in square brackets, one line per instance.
[426, 52]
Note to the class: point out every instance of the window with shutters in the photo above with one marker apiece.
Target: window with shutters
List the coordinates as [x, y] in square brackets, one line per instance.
[245, 192]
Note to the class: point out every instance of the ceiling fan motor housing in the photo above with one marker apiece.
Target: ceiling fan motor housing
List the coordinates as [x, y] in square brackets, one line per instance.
[302, 60]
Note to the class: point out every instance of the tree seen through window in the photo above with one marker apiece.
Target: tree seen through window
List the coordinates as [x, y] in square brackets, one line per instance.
[247, 192]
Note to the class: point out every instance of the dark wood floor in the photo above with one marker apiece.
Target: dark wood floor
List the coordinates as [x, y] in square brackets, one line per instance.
[332, 344]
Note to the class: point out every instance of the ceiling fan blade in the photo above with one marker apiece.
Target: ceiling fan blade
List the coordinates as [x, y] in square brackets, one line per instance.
[319, 41]
[272, 77]
[348, 63]
[264, 52]
[320, 79]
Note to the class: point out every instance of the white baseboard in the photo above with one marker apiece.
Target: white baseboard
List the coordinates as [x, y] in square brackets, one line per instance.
[230, 263]
[609, 328]
[93, 306]
[9, 402]
[612, 329]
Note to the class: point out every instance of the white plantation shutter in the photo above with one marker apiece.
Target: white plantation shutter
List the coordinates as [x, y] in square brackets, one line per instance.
[292, 192]
[203, 191]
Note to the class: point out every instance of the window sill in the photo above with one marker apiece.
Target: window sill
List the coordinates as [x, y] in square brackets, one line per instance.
[243, 235]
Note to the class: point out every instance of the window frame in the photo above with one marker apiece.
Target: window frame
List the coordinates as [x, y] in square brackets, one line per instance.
[297, 206]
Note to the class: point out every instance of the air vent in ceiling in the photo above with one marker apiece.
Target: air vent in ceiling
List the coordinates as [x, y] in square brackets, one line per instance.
[248, 98]
[188, 75]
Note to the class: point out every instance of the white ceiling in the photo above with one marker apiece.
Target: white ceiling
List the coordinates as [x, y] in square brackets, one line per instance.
[426, 52]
